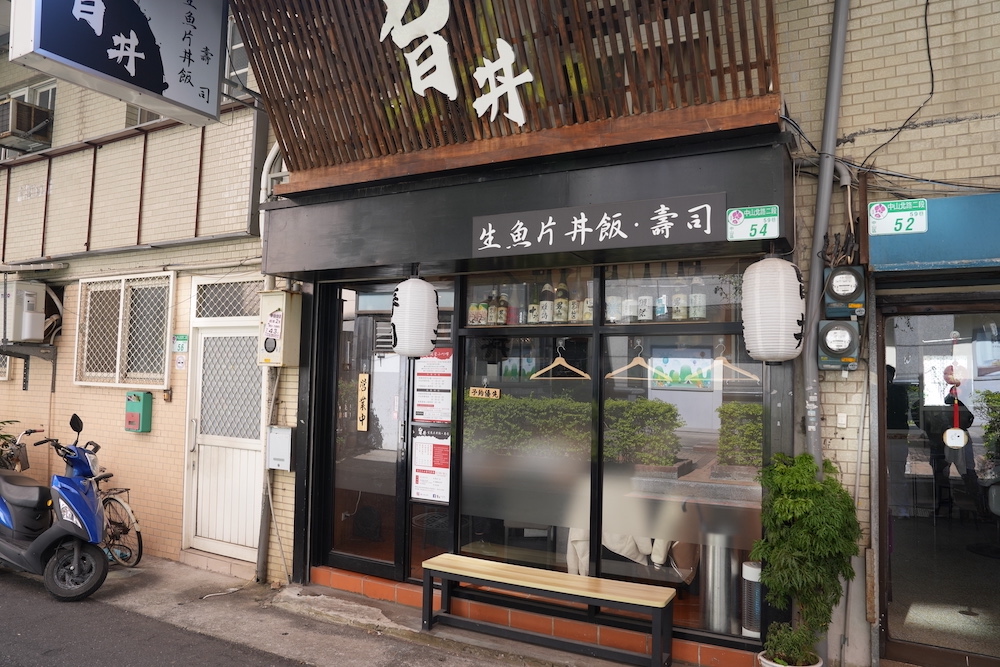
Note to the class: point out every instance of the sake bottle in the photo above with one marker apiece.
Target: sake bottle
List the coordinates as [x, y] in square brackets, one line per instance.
[613, 298]
[534, 304]
[698, 301]
[503, 306]
[646, 300]
[560, 313]
[679, 296]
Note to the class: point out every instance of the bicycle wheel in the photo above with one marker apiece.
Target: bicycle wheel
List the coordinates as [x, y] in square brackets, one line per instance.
[122, 536]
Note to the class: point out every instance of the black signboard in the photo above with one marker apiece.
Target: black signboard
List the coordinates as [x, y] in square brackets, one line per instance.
[668, 221]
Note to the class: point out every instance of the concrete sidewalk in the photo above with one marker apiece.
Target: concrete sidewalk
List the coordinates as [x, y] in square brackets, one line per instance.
[313, 624]
[305, 623]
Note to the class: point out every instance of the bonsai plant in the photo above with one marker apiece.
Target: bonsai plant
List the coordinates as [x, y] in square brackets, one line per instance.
[811, 532]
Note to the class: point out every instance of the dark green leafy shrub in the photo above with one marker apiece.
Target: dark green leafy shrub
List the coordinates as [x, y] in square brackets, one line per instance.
[987, 406]
[741, 434]
[639, 431]
[811, 532]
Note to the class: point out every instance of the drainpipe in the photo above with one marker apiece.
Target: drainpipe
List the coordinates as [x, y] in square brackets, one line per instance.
[269, 385]
[831, 118]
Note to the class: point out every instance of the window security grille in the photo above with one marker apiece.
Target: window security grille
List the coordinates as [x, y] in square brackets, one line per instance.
[122, 332]
[236, 299]
[4, 367]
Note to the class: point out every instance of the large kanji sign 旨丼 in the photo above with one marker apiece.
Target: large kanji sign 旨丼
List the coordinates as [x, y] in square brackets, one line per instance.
[166, 57]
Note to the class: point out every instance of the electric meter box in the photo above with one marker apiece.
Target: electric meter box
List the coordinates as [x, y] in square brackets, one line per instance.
[280, 320]
[839, 345]
[844, 292]
[279, 447]
[25, 307]
[138, 411]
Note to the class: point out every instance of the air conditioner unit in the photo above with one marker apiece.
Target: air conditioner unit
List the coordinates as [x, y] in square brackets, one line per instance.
[23, 305]
[24, 126]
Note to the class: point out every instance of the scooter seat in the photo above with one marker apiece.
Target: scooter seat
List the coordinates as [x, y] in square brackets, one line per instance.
[23, 491]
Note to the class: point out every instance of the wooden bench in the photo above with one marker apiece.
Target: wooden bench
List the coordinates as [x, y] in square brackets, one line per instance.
[452, 569]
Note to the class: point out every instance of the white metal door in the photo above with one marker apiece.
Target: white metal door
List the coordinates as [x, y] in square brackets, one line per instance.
[227, 465]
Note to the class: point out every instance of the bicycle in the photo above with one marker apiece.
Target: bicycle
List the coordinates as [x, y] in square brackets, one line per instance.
[13, 452]
[122, 537]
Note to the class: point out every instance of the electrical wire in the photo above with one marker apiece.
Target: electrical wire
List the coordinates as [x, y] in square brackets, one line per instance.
[930, 63]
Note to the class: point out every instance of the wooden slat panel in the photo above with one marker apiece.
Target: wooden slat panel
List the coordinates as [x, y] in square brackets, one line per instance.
[685, 122]
[339, 95]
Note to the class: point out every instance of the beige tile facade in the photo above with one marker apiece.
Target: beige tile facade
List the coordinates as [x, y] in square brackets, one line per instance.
[953, 137]
[100, 210]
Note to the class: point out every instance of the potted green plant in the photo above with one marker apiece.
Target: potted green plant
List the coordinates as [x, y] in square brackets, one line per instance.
[811, 532]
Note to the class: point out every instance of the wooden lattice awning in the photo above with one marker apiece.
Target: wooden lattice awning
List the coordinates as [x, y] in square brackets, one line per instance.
[346, 106]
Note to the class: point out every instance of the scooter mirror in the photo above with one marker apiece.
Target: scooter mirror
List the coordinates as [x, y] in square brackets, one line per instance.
[76, 423]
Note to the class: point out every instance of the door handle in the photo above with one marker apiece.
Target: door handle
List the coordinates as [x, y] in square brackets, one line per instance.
[194, 435]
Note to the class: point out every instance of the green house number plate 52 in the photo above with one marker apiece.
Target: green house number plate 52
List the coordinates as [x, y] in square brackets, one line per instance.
[752, 223]
[905, 216]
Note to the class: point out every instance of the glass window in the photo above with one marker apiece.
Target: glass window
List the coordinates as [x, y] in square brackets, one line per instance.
[527, 425]
[683, 431]
[123, 328]
[684, 291]
[642, 293]
[680, 431]
[560, 296]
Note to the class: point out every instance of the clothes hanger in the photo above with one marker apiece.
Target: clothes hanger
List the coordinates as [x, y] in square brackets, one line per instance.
[560, 362]
[637, 361]
[725, 363]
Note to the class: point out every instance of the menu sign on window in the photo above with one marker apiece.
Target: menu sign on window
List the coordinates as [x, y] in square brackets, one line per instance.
[430, 464]
[432, 387]
[666, 221]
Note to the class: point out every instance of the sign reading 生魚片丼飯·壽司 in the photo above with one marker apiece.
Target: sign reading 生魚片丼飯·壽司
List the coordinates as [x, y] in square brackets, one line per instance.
[166, 57]
[668, 221]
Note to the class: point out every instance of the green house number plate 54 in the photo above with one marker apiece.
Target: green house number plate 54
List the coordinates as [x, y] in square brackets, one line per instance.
[905, 216]
[752, 223]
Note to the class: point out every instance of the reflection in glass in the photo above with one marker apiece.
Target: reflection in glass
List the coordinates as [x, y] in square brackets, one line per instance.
[941, 392]
[683, 429]
[526, 454]
[366, 449]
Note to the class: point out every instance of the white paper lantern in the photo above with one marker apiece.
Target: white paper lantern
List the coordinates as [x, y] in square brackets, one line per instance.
[774, 310]
[414, 318]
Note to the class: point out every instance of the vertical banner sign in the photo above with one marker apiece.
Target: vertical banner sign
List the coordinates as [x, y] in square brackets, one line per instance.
[167, 57]
[364, 388]
[430, 467]
[432, 387]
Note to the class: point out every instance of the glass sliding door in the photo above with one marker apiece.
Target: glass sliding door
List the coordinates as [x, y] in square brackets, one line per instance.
[942, 391]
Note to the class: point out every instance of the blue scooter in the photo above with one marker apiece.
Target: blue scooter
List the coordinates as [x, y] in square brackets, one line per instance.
[55, 530]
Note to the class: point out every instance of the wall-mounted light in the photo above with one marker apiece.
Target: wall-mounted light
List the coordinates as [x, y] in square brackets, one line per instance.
[774, 310]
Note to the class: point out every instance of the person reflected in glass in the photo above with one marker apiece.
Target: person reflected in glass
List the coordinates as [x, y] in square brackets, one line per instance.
[897, 428]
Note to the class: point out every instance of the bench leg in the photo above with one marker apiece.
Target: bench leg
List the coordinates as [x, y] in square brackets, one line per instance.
[428, 601]
[656, 658]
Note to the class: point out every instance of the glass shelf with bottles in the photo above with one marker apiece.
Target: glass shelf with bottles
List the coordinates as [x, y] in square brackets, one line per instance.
[673, 292]
[529, 298]
[640, 293]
